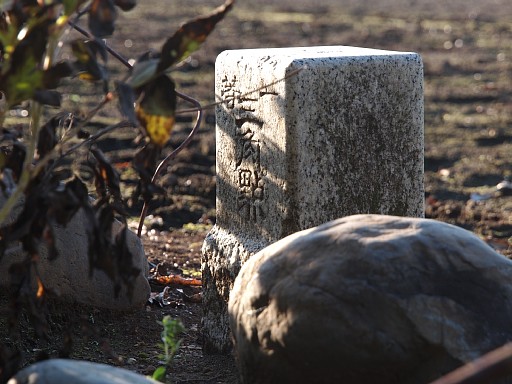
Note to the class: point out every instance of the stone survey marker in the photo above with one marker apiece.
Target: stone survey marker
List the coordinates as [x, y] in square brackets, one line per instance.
[304, 136]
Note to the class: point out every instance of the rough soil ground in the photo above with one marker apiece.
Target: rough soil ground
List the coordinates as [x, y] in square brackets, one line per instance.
[465, 46]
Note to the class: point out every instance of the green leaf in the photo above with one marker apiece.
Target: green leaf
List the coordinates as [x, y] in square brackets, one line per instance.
[142, 72]
[159, 374]
[70, 6]
[190, 37]
[23, 82]
[8, 41]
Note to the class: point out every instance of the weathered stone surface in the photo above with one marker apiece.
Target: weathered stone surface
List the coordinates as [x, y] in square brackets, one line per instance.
[304, 136]
[68, 275]
[61, 371]
[369, 299]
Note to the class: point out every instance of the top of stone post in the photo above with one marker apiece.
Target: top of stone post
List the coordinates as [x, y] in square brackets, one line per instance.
[320, 52]
[309, 134]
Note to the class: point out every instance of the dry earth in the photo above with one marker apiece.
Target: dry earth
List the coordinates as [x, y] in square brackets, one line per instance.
[465, 46]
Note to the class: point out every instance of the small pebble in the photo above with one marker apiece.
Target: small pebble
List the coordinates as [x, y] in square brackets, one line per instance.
[131, 361]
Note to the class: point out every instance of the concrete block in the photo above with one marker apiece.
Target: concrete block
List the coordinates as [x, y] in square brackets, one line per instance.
[305, 136]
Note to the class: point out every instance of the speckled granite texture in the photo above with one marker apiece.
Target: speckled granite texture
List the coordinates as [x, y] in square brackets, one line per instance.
[304, 136]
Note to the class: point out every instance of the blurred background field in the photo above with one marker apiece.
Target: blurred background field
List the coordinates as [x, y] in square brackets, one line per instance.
[467, 53]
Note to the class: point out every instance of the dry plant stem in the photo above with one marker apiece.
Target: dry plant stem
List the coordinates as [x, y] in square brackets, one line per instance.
[489, 368]
[173, 154]
[27, 171]
[108, 97]
[59, 147]
[42, 163]
[109, 50]
[292, 73]
[97, 135]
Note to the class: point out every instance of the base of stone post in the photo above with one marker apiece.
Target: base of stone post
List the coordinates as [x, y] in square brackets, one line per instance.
[223, 255]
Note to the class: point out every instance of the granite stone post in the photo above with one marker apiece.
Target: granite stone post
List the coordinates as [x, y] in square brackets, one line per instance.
[305, 136]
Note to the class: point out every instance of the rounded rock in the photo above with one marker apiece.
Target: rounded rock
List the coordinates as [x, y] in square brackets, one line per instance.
[369, 299]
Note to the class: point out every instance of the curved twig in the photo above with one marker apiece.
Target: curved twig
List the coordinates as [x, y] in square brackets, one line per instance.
[229, 99]
[173, 154]
[97, 135]
[489, 368]
[113, 52]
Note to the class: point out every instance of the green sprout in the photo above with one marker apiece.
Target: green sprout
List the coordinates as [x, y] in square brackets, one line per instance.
[172, 328]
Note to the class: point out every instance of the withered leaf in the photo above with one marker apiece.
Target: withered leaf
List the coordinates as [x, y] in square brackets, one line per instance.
[125, 5]
[145, 162]
[107, 182]
[87, 65]
[32, 45]
[100, 233]
[14, 152]
[155, 109]
[106, 177]
[126, 97]
[47, 203]
[47, 139]
[66, 203]
[48, 97]
[177, 279]
[126, 270]
[102, 16]
[53, 75]
[190, 36]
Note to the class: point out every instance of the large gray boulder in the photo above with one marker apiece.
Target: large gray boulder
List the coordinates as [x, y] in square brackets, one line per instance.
[369, 299]
[68, 275]
[62, 371]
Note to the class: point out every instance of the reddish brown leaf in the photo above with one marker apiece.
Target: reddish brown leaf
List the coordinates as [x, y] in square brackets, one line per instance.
[40, 289]
[107, 179]
[177, 279]
[102, 16]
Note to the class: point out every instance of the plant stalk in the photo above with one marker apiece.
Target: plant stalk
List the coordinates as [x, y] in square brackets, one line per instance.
[173, 154]
[26, 172]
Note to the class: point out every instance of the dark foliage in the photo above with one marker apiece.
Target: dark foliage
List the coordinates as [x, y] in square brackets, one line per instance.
[39, 186]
